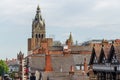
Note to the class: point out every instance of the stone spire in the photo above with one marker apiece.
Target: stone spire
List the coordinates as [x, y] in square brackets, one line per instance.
[38, 25]
[69, 41]
[38, 8]
[70, 37]
[38, 14]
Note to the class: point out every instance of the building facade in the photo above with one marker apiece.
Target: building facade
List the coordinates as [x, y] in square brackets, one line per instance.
[55, 61]
[50, 61]
[105, 62]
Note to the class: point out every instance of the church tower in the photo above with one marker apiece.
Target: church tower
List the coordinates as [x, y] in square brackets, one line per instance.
[38, 31]
[38, 26]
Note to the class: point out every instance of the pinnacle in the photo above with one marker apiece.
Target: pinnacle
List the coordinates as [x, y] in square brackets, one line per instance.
[38, 8]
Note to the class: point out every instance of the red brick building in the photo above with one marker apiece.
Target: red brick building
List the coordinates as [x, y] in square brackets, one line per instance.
[45, 57]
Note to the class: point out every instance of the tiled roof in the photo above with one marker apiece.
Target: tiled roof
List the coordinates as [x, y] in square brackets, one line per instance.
[78, 59]
[97, 51]
[109, 51]
[62, 61]
[37, 63]
[117, 52]
[117, 49]
[106, 51]
[81, 48]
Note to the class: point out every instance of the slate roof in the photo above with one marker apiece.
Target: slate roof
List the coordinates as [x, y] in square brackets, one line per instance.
[80, 48]
[37, 63]
[58, 61]
[55, 48]
[64, 61]
[117, 52]
[13, 63]
[78, 59]
[106, 49]
[63, 76]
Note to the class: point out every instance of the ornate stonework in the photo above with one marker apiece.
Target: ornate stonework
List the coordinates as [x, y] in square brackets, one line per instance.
[38, 26]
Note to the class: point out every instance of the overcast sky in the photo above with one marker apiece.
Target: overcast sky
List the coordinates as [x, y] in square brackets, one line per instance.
[86, 19]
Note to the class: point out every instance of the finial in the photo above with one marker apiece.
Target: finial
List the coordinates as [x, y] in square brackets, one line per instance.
[38, 8]
[20, 52]
[70, 37]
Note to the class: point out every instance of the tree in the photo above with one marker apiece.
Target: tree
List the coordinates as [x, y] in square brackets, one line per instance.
[3, 67]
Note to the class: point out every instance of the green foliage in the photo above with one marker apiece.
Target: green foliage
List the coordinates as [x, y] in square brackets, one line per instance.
[12, 75]
[3, 67]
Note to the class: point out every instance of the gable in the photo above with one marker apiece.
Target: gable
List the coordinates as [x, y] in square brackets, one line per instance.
[102, 56]
[112, 52]
[93, 58]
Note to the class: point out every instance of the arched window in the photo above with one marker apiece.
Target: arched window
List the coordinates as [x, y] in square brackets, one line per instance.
[42, 36]
[39, 36]
[36, 36]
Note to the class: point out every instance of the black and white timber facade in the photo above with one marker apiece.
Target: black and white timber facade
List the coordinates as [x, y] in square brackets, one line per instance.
[105, 62]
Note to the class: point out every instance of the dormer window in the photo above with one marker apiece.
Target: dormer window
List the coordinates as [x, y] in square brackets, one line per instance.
[95, 60]
[114, 60]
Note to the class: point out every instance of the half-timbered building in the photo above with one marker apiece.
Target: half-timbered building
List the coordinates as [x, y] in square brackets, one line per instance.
[105, 62]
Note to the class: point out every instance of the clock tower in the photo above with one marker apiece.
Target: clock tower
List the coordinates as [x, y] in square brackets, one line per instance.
[38, 26]
[38, 31]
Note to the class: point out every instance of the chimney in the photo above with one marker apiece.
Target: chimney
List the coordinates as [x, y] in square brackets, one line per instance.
[71, 70]
[85, 65]
[48, 64]
[61, 69]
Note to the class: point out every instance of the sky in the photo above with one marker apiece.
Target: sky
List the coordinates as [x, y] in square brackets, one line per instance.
[85, 19]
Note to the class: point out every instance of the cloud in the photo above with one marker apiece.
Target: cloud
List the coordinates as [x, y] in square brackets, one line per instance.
[106, 4]
[84, 18]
